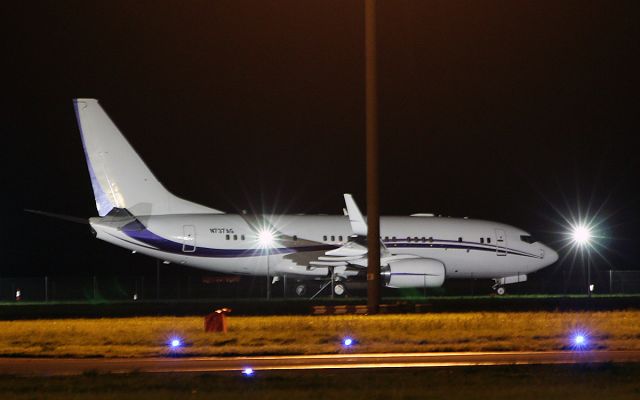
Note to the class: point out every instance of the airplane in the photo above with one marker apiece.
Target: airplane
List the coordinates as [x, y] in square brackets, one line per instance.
[417, 251]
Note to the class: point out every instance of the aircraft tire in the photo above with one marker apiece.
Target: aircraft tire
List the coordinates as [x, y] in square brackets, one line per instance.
[339, 289]
[301, 289]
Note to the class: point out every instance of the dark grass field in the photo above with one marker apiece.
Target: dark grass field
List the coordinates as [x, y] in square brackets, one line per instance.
[583, 382]
[432, 304]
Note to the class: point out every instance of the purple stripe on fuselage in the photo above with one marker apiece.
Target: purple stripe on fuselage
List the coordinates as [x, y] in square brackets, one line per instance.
[458, 246]
[137, 231]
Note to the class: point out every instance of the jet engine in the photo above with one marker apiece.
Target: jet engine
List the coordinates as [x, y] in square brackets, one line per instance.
[414, 272]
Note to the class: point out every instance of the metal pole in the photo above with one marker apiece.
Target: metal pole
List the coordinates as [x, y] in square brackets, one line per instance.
[284, 286]
[610, 281]
[371, 110]
[268, 275]
[589, 274]
[333, 282]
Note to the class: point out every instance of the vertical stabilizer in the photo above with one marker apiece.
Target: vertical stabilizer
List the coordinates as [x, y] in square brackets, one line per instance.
[119, 177]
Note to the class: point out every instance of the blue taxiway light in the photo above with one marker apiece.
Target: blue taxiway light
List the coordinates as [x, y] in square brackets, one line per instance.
[347, 342]
[247, 371]
[175, 343]
[579, 340]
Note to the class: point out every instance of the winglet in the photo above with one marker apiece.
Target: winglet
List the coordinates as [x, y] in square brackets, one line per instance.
[358, 224]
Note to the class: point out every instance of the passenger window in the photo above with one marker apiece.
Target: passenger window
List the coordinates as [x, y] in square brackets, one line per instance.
[393, 238]
[324, 238]
[482, 240]
[295, 237]
[242, 237]
[227, 237]
[415, 239]
[340, 238]
[430, 239]
[235, 237]
[488, 240]
[333, 238]
[459, 239]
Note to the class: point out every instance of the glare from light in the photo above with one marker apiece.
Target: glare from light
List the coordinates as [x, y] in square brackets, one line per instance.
[266, 238]
[581, 235]
[580, 340]
[175, 343]
[247, 371]
[347, 342]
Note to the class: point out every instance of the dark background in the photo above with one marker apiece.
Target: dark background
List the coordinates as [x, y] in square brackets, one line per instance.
[520, 112]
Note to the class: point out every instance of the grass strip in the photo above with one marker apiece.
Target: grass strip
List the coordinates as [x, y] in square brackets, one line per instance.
[482, 331]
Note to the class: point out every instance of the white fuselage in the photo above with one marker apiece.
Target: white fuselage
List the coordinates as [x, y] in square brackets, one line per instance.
[227, 243]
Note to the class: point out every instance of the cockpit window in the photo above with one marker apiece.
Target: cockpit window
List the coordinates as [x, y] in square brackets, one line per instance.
[528, 239]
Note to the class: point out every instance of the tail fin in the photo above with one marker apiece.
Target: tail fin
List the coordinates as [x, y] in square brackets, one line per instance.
[119, 177]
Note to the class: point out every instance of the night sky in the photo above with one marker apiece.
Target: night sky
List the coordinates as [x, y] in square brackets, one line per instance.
[520, 112]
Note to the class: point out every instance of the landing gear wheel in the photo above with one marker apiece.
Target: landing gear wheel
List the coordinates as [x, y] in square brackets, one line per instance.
[301, 289]
[500, 291]
[339, 289]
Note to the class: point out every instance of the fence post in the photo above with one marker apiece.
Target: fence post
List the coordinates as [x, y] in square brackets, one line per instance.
[610, 281]
[284, 286]
[157, 279]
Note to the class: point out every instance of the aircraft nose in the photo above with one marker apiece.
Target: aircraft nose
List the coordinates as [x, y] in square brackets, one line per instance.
[550, 255]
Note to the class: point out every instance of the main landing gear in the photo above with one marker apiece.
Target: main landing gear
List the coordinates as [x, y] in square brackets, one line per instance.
[339, 289]
[301, 289]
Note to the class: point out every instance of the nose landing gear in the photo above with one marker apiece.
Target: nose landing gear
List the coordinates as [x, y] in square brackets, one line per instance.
[499, 288]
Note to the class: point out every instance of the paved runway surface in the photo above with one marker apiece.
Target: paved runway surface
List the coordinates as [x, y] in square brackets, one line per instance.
[68, 366]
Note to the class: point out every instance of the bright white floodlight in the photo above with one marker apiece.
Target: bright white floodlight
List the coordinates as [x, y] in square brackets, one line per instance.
[266, 238]
[581, 235]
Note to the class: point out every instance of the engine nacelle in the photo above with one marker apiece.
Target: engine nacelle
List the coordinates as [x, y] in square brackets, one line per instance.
[414, 272]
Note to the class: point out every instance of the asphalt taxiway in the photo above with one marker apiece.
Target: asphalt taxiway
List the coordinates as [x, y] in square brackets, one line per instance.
[75, 366]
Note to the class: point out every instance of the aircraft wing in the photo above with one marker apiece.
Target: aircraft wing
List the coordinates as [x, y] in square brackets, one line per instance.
[354, 252]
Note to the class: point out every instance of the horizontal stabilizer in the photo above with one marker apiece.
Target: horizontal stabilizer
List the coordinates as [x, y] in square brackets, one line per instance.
[63, 217]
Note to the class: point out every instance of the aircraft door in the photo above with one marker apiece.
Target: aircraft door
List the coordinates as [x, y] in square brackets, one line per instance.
[501, 243]
[189, 239]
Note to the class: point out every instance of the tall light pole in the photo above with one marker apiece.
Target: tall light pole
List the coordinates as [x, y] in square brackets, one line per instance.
[266, 238]
[581, 236]
[371, 110]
